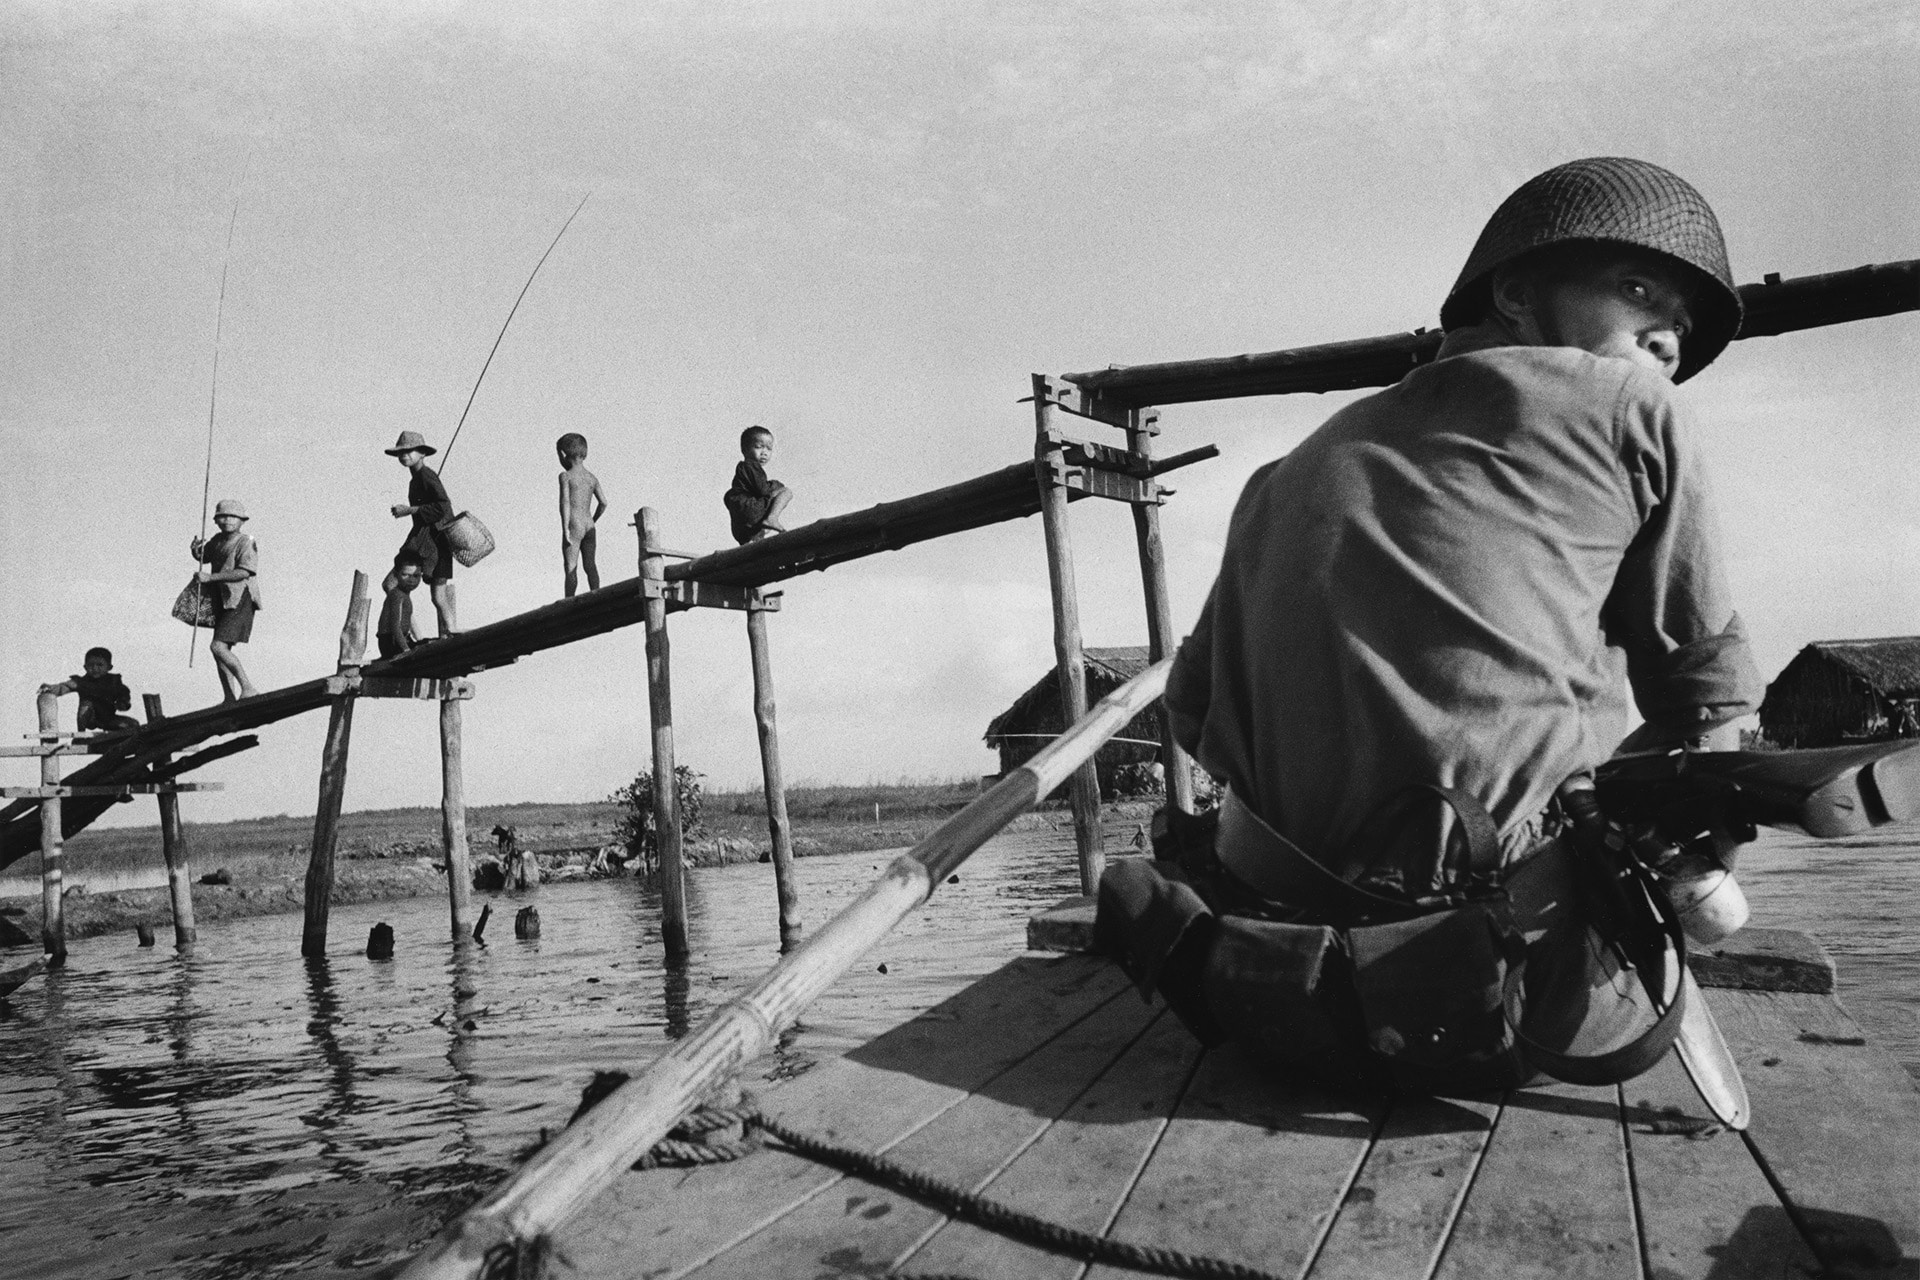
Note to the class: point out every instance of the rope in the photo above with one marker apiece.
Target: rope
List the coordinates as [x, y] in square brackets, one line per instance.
[682, 1147]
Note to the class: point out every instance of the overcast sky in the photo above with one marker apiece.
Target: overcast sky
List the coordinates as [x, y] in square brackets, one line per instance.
[863, 225]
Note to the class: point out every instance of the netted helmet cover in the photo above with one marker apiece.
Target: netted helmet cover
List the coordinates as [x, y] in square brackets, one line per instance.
[1610, 199]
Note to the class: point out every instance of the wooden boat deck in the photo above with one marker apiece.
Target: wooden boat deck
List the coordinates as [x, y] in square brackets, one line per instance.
[1052, 1086]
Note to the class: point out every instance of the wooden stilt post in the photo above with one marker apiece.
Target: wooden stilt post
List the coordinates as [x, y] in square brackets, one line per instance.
[1142, 426]
[173, 848]
[53, 916]
[333, 777]
[776, 787]
[666, 795]
[453, 822]
[1049, 463]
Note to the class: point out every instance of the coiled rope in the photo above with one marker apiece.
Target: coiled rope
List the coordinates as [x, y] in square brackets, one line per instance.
[691, 1142]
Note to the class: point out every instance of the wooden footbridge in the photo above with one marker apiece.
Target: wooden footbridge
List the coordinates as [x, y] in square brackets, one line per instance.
[153, 757]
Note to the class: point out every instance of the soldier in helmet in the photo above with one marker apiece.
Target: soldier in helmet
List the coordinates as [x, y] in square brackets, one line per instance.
[1428, 615]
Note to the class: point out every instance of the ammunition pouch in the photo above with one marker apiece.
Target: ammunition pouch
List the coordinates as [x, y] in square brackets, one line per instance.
[1315, 973]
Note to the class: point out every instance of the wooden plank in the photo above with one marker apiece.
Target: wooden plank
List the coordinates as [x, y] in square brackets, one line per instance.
[1836, 1125]
[1706, 1209]
[1080, 1171]
[1765, 960]
[1552, 1197]
[1251, 1169]
[856, 1226]
[874, 1097]
[1397, 1216]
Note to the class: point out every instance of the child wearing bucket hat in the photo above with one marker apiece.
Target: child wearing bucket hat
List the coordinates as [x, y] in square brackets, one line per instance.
[230, 567]
[430, 508]
[1429, 614]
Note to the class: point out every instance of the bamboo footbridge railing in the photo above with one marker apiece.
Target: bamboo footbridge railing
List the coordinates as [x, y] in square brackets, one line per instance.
[586, 1158]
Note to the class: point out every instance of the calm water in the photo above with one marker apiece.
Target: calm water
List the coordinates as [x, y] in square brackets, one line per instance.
[242, 1113]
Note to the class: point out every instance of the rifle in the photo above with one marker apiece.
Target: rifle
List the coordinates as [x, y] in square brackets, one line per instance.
[1690, 796]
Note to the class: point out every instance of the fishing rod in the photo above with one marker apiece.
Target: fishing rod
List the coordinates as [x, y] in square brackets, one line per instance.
[213, 397]
[448, 451]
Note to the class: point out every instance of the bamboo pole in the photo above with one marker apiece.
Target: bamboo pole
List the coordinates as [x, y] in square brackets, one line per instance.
[333, 777]
[666, 795]
[1773, 306]
[53, 916]
[1141, 428]
[173, 846]
[778, 829]
[580, 1163]
[1048, 457]
[453, 822]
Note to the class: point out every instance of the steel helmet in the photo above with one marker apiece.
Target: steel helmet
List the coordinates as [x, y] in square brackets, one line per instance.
[229, 507]
[1610, 199]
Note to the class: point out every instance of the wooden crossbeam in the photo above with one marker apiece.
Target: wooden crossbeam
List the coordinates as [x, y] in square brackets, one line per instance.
[82, 748]
[110, 789]
[708, 595]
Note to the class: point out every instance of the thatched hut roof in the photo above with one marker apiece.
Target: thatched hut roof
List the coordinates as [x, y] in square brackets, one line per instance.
[1105, 668]
[1890, 666]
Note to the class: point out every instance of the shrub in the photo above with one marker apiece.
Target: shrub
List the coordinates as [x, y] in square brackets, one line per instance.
[634, 829]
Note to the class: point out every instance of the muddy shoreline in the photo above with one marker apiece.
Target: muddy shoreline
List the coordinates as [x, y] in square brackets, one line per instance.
[276, 884]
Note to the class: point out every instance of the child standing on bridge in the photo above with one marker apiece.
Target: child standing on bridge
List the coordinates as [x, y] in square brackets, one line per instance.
[103, 694]
[230, 561]
[581, 506]
[427, 503]
[395, 633]
[754, 503]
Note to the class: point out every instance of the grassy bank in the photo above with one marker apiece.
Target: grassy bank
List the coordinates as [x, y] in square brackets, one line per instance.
[387, 853]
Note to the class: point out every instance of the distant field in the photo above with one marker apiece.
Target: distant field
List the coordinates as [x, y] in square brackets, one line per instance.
[825, 819]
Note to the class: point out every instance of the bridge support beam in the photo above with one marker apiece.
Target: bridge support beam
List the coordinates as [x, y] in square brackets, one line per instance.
[333, 776]
[53, 916]
[666, 794]
[173, 847]
[778, 829]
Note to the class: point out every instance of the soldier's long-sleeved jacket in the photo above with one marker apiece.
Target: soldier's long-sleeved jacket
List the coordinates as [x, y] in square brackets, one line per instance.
[1448, 581]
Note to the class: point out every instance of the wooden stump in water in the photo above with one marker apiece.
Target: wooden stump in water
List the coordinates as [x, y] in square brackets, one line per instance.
[526, 924]
[380, 942]
[144, 932]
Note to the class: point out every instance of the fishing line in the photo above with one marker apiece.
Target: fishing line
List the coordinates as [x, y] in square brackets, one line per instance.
[213, 397]
[448, 451]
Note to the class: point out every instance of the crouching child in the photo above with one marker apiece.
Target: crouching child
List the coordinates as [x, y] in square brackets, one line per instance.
[103, 694]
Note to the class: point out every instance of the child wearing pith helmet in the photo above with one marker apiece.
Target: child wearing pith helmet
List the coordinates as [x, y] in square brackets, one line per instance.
[1427, 621]
[230, 573]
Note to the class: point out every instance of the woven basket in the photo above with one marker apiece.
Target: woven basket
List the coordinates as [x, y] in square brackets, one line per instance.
[194, 604]
[469, 538]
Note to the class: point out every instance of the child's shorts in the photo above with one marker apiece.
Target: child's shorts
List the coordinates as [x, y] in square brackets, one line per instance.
[235, 625]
